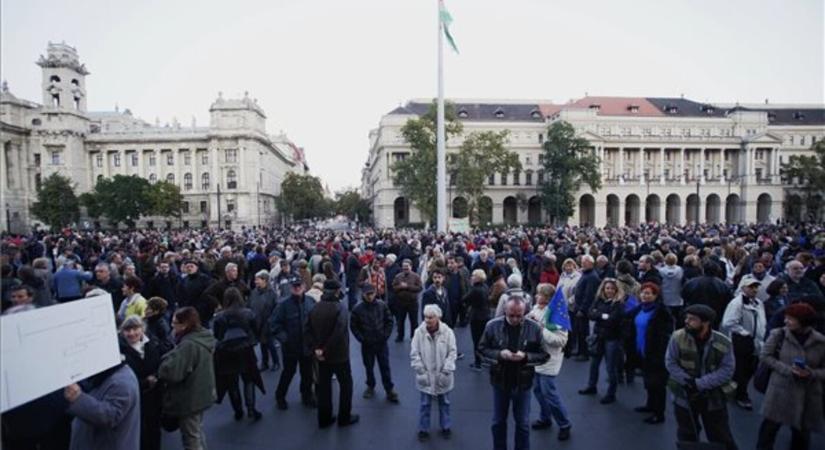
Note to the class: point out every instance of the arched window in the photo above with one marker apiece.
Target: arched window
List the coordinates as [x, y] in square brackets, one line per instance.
[231, 180]
[187, 181]
[170, 178]
[205, 181]
[153, 178]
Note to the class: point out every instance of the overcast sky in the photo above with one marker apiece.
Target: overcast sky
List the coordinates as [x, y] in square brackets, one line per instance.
[325, 71]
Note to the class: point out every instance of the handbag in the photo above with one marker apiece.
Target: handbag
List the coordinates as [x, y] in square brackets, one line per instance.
[762, 376]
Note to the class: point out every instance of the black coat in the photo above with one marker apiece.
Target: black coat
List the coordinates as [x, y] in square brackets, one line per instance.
[430, 297]
[478, 299]
[151, 395]
[159, 331]
[328, 329]
[165, 287]
[657, 337]
[287, 324]
[586, 290]
[612, 327]
[495, 339]
[371, 322]
[235, 329]
[651, 276]
[707, 290]
[190, 291]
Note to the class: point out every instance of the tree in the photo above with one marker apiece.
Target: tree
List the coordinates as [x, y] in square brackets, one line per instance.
[56, 205]
[481, 154]
[416, 174]
[165, 199]
[809, 171]
[302, 197]
[121, 199]
[350, 204]
[568, 162]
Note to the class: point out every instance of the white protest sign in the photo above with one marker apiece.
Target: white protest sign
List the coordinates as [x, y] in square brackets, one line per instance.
[458, 225]
[45, 349]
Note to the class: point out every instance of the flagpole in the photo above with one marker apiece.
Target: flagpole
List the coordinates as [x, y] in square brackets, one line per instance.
[441, 154]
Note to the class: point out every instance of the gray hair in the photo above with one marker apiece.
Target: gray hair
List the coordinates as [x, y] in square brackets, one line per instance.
[230, 266]
[514, 281]
[133, 321]
[480, 275]
[103, 265]
[432, 310]
[262, 274]
[515, 300]
[588, 258]
[391, 258]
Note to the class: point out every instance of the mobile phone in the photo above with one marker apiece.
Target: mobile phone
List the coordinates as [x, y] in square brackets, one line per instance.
[799, 363]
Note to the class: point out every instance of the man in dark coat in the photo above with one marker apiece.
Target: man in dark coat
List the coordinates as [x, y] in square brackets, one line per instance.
[585, 295]
[287, 325]
[648, 273]
[231, 278]
[407, 284]
[327, 335]
[371, 323]
[708, 290]
[104, 280]
[353, 269]
[191, 288]
[164, 285]
[798, 284]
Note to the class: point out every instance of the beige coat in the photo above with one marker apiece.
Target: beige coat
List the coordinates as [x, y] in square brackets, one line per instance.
[432, 357]
[553, 343]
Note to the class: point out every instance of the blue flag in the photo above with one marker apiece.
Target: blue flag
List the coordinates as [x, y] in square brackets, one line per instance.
[557, 317]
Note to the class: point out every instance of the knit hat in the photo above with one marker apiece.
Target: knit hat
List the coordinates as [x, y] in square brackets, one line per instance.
[703, 312]
[803, 312]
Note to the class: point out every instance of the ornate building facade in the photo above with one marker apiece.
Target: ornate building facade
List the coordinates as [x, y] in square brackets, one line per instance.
[229, 172]
[667, 160]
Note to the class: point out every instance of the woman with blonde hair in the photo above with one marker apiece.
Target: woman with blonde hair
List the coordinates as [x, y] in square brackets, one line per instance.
[606, 341]
[568, 279]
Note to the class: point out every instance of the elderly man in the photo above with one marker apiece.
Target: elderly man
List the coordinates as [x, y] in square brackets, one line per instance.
[104, 280]
[371, 324]
[798, 285]
[513, 347]
[191, 288]
[231, 278]
[760, 273]
[287, 325]
[744, 321]
[407, 284]
[585, 295]
[514, 283]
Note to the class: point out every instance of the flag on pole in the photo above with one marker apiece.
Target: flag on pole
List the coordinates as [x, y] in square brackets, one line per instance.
[557, 317]
[446, 20]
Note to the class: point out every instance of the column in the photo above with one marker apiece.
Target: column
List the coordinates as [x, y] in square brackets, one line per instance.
[775, 167]
[702, 165]
[640, 167]
[662, 165]
[600, 152]
[498, 212]
[682, 176]
[601, 213]
[621, 165]
[722, 177]
[620, 220]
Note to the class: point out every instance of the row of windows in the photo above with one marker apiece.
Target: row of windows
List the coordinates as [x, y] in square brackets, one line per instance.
[230, 156]
[204, 206]
[801, 139]
[231, 180]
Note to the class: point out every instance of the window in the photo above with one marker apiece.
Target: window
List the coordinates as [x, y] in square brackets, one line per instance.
[99, 160]
[203, 206]
[37, 159]
[231, 180]
[725, 173]
[540, 177]
[185, 207]
[153, 160]
[133, 156]
[153, 178]
[187, 181]
[230, 205]
[398, 157]
[527, 160]
[705, 174]
[491, 180]
[516, 178]
[667, 174]
[170, 178]
[504, 178]
[231, 155]
[205, 181]
[801, 140]
[633, 108]
[170, 159]
[116, 159]
[452, 178]
[528, 178]
[647, 155]
[541, 138]
[57, 157]
[499, 113]
[727, 156]
[759, 174]
[204, 158]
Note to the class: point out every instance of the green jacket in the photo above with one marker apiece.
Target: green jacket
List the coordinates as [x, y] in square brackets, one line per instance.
[189, 375]
[713, 371]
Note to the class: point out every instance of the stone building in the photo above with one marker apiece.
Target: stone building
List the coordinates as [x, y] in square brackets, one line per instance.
[229, 172]
[662, 159]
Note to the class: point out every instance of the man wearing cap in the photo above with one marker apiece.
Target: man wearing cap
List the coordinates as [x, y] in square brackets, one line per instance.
[701, 364]
[191, 288]
[287, 325]
[744, 321]
[371, 324]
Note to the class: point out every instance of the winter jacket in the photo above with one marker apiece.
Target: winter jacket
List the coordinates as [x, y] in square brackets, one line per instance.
[629, 284]
[407, 295]
[263, 302]
[804, 287]
[651, 276]
[371, 322]
[214, 294]
[189, 375]
[789, 400]
[745, 320]
[108, 416]
[287, 324]
[327, 329]
[707, 290]
[190, 292]
[762, 293]
[165, 287]
[432, 357]
[517, 292]
[713, 374]
[495, 339]
[553, 343]
[586, 291]
[159, 331]
[567, 283]
[431, 297]
[477, 299]
[608, 318]
[657, 336]
[671, 285]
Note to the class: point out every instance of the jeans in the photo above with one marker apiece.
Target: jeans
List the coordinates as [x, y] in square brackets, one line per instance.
[290, 364]
[521, 415]
[477, 330]
[443, 411]
[544, 388]
[380, 352]
[343, 373]
[269, 349]
[402, 311]
[800, 440]
[191, 432]
[613, 361]
[353, 295]
[716, 424]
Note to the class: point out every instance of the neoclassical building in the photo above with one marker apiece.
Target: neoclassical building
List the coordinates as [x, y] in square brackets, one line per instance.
[229, 172]
[662, 159]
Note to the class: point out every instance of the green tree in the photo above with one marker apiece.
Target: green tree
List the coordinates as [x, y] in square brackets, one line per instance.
[165, 199]
[568, 162]
[56, 205]
[349, 203]
[809, 171]
[302, 197]
[416, 174]
[481, 154]
[121, 199]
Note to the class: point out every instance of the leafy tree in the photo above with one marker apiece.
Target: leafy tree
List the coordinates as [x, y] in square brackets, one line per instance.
[416, 174]
[350, 204]
[568, 162]
[302, 197]
[165, 199]
[56, 205]
[809, 170]
[121, 199]
[481, 154]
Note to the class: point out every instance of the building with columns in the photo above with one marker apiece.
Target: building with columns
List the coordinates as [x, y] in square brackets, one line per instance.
[229, 171]
[669, 160]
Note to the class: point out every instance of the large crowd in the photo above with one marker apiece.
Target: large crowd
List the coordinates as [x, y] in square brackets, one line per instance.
[703, 312]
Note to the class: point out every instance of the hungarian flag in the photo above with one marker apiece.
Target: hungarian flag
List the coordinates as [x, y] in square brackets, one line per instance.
[446, 20]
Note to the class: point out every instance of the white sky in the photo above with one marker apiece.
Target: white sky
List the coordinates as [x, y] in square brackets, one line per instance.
[325, 71]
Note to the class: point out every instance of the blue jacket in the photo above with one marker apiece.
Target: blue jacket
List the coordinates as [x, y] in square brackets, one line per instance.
[586, 290]
[287, 324]
[108, 416]
[68, 282]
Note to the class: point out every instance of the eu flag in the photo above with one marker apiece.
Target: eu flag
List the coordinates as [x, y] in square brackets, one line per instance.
[557, 317]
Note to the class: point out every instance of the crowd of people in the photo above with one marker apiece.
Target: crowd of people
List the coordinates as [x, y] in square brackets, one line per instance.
[704, 312]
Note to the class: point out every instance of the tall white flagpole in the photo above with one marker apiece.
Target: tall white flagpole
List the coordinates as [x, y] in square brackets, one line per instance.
[441, 154]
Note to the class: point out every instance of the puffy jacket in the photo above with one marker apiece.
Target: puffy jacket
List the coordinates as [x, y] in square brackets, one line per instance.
[432, 357]
[371, 322]
[189, 374]
[552, 341]
[262, 302]
[671, 285]
[288, 321]
[495, 339]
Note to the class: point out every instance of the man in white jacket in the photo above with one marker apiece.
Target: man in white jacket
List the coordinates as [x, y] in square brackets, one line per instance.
[744, 321]
[544, 383]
